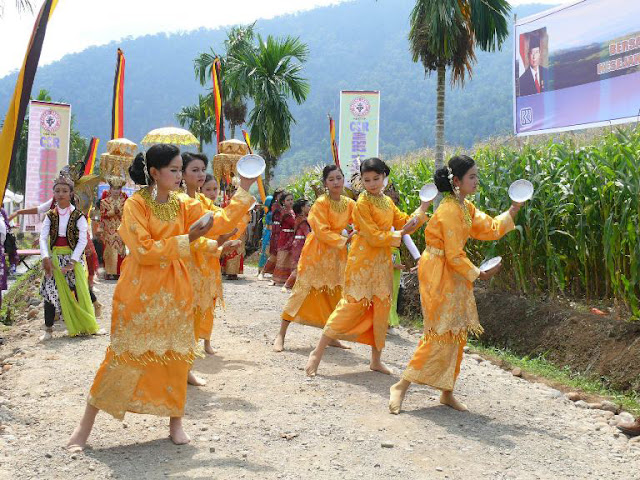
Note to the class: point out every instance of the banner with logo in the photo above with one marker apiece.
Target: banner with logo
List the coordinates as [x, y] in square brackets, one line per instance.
[359, 126]
[577, 66]
[47, 153]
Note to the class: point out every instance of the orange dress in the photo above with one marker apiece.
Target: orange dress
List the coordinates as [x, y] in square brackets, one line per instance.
[362, 315]
[320, 272]
[446, 278]
[152, 330]
[204, 269]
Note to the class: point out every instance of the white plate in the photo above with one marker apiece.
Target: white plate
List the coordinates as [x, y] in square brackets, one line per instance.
[491, 263]
[428, 192]
[203, 219]
[251, 166]
[521, 190]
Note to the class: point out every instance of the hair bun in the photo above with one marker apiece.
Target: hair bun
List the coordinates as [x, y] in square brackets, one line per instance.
[441, 179]
[136, 170]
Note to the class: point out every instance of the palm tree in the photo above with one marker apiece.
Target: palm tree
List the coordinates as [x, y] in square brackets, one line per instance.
[239, 39]
[445, 33]
[199, 120]
[21, 6]
[272, 71]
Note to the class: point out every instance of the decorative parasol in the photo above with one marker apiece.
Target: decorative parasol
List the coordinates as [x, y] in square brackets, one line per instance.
[172, 135]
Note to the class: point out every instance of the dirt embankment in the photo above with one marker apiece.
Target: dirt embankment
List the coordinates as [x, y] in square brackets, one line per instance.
[597, 345]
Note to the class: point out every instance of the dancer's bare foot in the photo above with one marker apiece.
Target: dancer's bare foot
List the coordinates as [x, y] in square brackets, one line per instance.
[177, 433]
[78, 439]
[278, 344]
[448, 399]
[396, 396]
[339, 344]
[192, 379]
[380, 367]
[312, 364]
[208, 348]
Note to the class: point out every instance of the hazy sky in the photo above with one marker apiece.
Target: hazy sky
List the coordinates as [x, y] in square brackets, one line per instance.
[78, 24]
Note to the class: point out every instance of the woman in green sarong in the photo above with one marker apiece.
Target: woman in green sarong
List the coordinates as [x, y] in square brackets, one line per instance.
[65, 288]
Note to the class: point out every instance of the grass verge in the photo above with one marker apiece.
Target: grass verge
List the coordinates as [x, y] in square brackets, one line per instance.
[19, 294]
[540, 369]
[559, 376]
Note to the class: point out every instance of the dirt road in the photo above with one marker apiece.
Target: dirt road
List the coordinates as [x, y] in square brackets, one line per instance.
[259, 417]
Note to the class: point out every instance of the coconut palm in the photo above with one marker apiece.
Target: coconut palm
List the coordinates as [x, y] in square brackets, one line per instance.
[445, 33]
[234, 94]
[21, 6]
[199, 120]
[273, 73]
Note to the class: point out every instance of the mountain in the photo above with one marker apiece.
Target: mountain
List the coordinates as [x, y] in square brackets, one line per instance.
[356, 45]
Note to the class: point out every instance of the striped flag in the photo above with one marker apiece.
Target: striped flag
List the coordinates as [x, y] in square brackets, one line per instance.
[217, 101]
[90, 158]
[247, 140]
[117, 111]
[334, 145]
[10, 135]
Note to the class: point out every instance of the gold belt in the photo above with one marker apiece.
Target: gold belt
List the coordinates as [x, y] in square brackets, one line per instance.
[434, 251]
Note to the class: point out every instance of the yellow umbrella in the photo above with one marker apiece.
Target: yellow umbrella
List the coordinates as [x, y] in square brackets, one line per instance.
[173, 135]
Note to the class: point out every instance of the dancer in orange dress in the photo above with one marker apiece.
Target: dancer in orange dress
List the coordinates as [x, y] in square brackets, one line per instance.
[204, 269]
[446, 278]
[320, 272]
[362, 315]
[152, 330]
[285, 240]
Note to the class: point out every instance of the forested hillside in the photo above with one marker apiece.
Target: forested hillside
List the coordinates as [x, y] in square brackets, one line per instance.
[356, 45]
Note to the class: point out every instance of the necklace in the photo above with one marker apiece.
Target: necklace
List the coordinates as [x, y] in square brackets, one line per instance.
[63, 211]
[381, 201]
[338, 206]
[167, 211]
[462, 206]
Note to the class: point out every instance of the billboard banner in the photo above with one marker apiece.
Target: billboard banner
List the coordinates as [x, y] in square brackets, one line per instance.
[359, 126]
[47, 153]
[577, 66]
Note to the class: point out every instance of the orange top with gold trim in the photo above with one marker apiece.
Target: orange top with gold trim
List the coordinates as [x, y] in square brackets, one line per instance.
[369, 271]
[153, 299]
[324, 255]
[445, 273]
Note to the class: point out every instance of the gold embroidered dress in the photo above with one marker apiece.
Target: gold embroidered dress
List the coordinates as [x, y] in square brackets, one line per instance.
[320, 272]
[152, 330]
[110, 218]
[204, 269]
[446, 278]
[362, 314]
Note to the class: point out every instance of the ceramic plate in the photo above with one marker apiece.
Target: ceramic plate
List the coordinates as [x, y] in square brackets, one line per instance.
[491, 263]
[428, 192]
[521, 190]
[251, 166]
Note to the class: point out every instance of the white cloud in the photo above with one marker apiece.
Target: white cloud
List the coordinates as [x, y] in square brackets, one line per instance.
[78, 24]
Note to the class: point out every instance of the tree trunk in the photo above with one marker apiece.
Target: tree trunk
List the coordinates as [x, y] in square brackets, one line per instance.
[268, 172]
[440, 117]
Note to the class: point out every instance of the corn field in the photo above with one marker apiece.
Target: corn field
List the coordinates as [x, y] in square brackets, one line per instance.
[578, 236]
